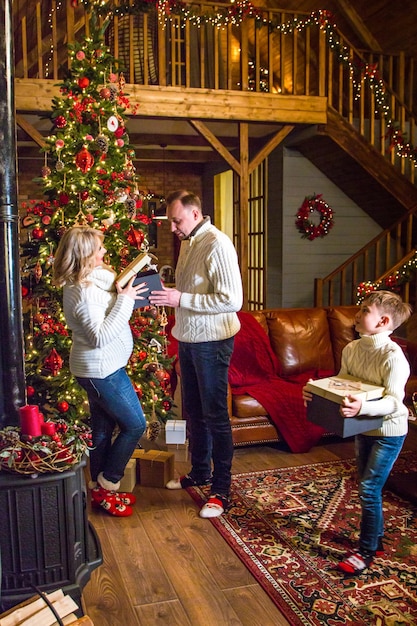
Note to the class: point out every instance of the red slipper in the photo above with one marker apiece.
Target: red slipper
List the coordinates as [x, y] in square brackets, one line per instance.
[355, 564]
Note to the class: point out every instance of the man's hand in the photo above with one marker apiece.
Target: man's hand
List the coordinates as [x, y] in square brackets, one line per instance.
[168, 297]
[351, 406]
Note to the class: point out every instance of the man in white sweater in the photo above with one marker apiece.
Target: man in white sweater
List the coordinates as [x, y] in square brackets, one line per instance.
[206, 298]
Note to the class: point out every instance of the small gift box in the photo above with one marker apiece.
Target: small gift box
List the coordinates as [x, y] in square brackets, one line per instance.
[175, 431]
[128, 481]
[154, 467]
[180, 450]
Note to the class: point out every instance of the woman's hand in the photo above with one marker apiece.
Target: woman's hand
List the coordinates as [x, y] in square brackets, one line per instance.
[351, 406]
[133, 292]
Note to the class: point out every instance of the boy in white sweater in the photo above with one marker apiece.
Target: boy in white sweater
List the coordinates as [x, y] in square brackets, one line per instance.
[377, 359]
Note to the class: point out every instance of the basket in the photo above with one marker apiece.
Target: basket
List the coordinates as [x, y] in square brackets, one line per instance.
[24, 459]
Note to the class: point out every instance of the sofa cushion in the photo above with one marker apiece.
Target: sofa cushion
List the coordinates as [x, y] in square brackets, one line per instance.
[300, 339]
[341, 321]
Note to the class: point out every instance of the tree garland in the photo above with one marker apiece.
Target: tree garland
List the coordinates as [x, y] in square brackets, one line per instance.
[307, 228]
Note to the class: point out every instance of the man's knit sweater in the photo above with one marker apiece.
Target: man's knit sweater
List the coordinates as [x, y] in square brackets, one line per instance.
[208, 276]
[379, 360]
[99, 320]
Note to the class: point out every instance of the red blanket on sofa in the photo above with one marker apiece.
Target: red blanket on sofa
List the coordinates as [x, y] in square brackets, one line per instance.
[253, 371]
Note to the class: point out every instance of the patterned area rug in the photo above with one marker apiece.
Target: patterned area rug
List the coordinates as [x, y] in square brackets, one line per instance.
[291, 526]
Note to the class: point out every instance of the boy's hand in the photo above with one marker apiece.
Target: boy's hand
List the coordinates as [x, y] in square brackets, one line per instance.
[307, 395]
[351, 406]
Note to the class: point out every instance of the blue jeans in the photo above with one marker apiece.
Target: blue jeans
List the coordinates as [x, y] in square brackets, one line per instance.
[204, 377]
[375, 459]
[113, 402]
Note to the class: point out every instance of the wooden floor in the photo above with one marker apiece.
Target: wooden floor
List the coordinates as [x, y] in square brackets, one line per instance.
[165, 565]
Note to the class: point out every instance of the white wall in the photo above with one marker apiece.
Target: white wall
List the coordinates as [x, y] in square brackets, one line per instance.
[302, 260]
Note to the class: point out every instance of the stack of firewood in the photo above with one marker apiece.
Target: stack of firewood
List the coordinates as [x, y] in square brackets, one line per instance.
[37, 612]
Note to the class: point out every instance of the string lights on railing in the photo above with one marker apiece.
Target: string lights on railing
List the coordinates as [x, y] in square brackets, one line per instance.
[177, 14]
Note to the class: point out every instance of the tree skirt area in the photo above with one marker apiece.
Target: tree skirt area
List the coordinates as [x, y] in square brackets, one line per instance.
[291, 526]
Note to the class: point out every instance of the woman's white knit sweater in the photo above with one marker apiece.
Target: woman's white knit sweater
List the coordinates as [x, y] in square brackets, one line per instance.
[99, 320]
[379, 360]
[208, 276]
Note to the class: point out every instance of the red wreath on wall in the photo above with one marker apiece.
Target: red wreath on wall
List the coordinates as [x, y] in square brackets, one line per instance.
[304, 224]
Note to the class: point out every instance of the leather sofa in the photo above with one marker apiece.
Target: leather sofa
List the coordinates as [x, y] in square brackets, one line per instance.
[307, 343]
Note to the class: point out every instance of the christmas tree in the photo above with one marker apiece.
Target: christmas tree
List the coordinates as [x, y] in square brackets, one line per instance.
[88, 179]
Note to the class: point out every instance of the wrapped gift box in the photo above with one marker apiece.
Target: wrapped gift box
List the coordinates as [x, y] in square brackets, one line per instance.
[154, 467]
[335, 388]
[128, 481]
[175, 431]
[328, 394]
[180, 450]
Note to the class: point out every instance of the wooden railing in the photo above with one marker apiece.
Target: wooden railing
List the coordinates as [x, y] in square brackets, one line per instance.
[373, 262]
[307, 60]
[302, 61]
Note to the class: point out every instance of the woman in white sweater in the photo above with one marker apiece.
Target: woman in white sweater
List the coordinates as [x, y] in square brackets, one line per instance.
[97, 311]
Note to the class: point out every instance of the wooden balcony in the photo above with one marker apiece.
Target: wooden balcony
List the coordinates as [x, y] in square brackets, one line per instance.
[212, 63]
[273, 75]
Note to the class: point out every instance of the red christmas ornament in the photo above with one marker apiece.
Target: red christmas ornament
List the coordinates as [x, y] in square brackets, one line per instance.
[105, 93]
[142, 355]
[46, 219]
[83, 82]
[30, 391]
[119, 132]
[163, 377]
[53, 362]
[25, 291]
[84, 195]
[62, 406]
[63, 198]
[38, 318]
[84, 160]
[37, 233]
[166, 405]
[135, 237]
[60, 121]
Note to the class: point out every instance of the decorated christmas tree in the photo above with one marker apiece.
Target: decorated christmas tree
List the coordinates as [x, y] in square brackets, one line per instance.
[88, 178]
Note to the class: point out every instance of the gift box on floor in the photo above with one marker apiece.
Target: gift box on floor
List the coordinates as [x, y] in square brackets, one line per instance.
[154, 467]
[128, 481]
[175, 431]
[180, 450]
[328, 394]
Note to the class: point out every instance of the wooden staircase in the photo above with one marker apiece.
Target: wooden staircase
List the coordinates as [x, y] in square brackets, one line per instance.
[358, 169]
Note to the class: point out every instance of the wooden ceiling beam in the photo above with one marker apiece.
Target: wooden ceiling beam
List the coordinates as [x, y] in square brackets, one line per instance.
[269, 146]
[358, 26]
[217, 145]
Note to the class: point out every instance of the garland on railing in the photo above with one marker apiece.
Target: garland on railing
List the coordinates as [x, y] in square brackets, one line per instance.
[390, 283]
[307, 228]
[242, 10]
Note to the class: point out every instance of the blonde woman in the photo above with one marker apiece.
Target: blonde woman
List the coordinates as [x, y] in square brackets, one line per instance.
[97, 311]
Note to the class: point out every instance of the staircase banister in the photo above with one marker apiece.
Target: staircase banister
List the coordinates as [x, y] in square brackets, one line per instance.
[385, 233]
[397, 266]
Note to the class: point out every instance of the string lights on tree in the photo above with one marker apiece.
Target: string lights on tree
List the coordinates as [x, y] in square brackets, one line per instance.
[88, 178]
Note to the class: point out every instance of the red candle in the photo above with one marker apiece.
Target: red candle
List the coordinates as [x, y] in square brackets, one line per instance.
[48, 428]
[29, 420]
[41, 418]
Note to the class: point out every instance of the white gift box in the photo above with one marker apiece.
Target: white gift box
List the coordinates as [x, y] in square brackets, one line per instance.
[175, 431]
